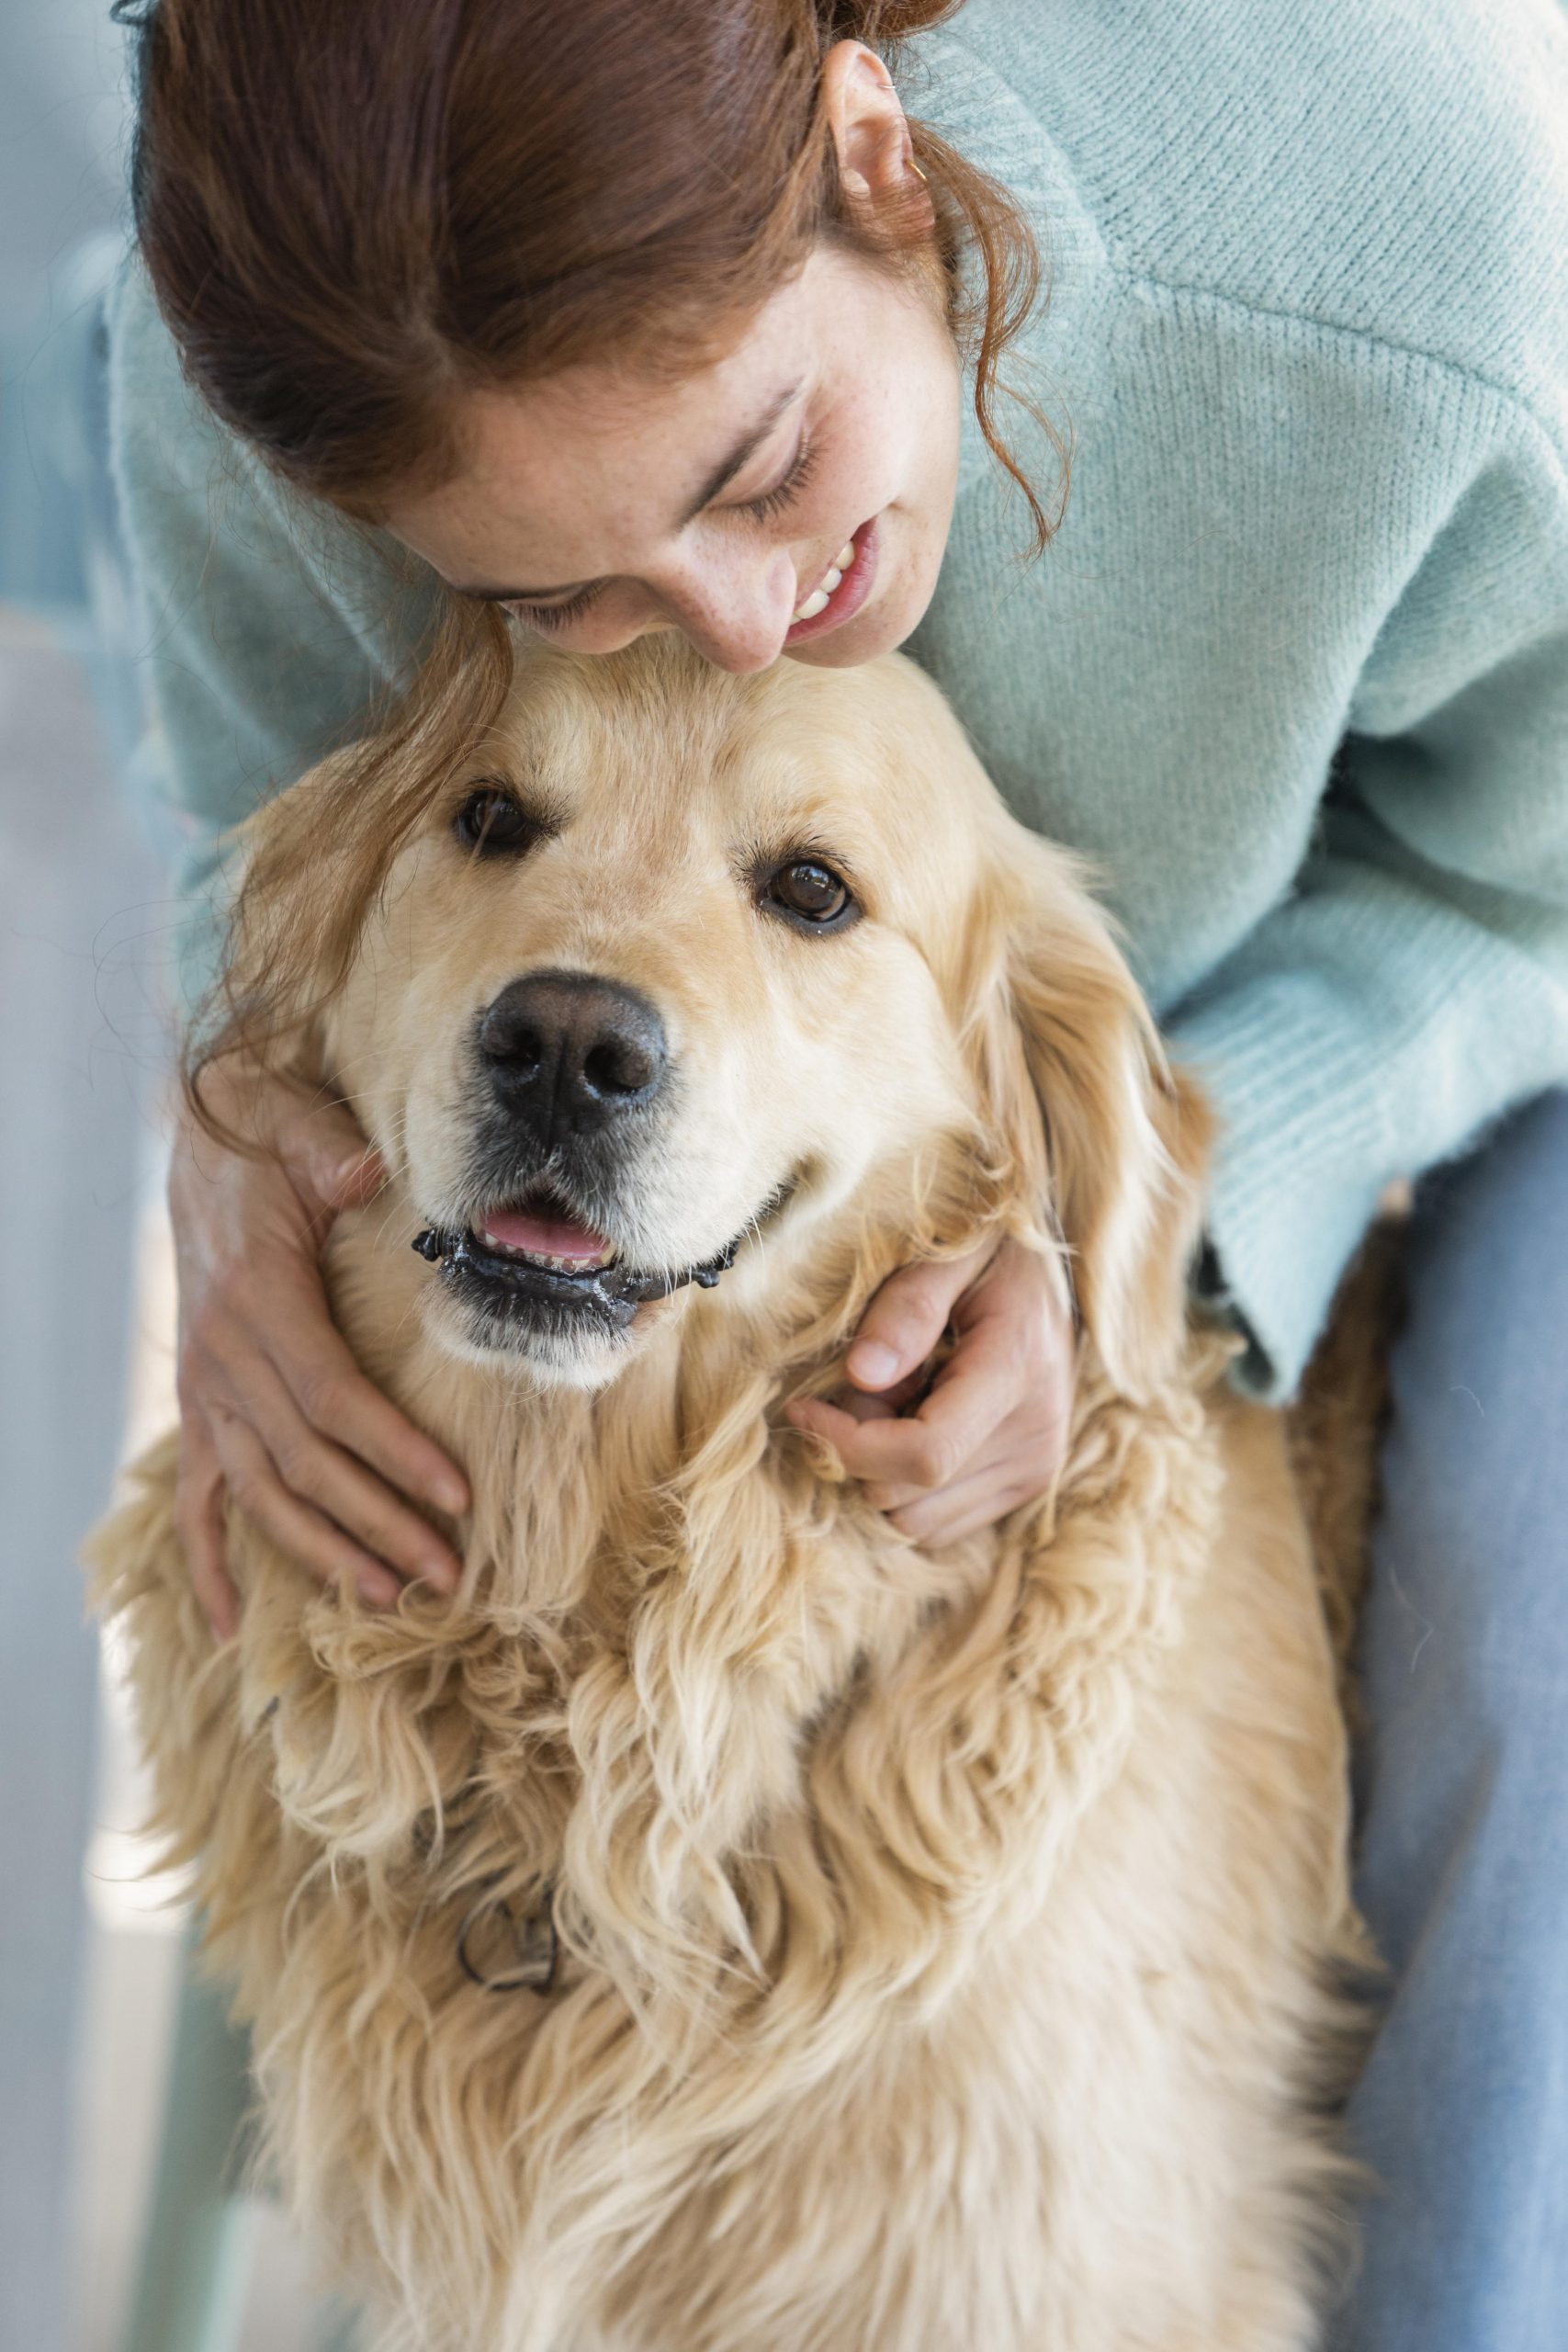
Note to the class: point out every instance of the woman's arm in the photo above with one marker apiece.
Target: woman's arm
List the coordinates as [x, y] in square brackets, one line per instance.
[1412, 986]
[272, 631]
[1416, 982]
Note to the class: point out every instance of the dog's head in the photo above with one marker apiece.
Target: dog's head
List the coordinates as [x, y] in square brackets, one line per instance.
[683, 969]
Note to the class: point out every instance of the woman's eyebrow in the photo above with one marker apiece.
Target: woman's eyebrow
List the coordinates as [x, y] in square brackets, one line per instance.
[720, 479]
[748, 442]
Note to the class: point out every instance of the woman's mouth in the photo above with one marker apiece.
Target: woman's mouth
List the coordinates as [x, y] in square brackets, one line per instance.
[842, 589]
[821, 595]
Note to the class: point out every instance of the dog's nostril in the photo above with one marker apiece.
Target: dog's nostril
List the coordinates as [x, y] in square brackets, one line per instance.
[617, 1066]
[525, 1051]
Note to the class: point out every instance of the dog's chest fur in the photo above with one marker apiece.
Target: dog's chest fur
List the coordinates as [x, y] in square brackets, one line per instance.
[922, 1980]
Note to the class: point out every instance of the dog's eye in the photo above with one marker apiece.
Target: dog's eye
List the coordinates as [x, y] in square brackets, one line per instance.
[490, 822]
[810, 893]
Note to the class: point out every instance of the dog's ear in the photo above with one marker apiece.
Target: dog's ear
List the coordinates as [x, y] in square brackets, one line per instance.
[314, 858]
[1110, 1146]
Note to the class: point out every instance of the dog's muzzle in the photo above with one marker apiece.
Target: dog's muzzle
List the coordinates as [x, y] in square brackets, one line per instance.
[575, 1079]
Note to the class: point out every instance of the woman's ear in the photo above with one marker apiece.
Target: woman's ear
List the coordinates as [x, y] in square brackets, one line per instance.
[871, 137]
[1096, 1119]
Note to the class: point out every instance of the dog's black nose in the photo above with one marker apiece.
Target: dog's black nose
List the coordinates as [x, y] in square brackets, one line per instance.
[568, 1053]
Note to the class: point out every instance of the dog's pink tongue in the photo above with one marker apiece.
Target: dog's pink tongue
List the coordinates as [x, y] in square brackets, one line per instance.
[543, 1237]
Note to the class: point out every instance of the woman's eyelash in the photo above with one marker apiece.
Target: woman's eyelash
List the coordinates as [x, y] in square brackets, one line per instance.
[555, 616]
[774, 501]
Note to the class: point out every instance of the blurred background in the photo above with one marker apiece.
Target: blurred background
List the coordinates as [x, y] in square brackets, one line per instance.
[91, 1965]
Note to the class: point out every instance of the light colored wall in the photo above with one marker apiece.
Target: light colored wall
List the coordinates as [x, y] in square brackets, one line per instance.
[61, 112]
[77, 888]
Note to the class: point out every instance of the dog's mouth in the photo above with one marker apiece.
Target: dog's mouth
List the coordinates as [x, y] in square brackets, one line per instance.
[546, 1236]
[537, 1264]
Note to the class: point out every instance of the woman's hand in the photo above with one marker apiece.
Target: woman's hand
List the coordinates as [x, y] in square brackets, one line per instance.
[990, 1433]
[275, 1409]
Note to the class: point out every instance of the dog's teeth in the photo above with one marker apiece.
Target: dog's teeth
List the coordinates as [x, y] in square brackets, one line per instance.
[543, 1260]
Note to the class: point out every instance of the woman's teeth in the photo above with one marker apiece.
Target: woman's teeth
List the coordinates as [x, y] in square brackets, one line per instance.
[818, 599]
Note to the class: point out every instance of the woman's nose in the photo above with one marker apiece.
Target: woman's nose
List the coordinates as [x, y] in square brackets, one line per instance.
[736, 614]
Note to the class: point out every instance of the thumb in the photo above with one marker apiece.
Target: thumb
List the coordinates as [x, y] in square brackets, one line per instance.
[328, 1161]
[908, 1316]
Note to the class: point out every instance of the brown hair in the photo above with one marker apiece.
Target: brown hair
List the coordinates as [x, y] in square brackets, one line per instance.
[353, 209]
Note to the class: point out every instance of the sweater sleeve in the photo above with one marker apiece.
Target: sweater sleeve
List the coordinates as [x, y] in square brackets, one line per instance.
[271, 629]
[1413, 985]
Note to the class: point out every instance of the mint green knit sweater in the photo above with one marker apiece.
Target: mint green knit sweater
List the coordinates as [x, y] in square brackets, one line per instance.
[1294, 670]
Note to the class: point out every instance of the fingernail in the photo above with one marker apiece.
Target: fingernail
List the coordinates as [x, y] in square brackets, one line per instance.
[442, 1571]
[449, 1494]
[375, 1592]
[872, 1364]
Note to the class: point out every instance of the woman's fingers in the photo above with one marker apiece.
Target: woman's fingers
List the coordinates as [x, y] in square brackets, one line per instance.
[276, 1364]
[964, 1509]
[269, 1390]
[862, 1406]
[316, 1139]
[908, 1316]
[306, 1534]
[991, 1432]
[327, 1160]
[200, 1523]
[333, 1396]
[975, 1392]
[1024, 1452]
[267, 1321]
[334, 1482]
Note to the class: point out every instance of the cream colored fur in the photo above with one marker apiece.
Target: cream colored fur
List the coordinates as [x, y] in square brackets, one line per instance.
[949, 1942]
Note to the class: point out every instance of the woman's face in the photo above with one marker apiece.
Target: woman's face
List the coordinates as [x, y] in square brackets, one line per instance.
[600, 503]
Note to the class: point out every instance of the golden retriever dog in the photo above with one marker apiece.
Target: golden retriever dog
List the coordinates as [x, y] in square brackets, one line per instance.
[726, 1927]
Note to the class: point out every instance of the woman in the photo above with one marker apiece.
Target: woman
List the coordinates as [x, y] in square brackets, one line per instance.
[614, 316]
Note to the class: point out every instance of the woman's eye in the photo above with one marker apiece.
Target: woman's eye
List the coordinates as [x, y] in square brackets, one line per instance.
[783, 494]
[811, 893]
[492, 823]
[548, 616]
